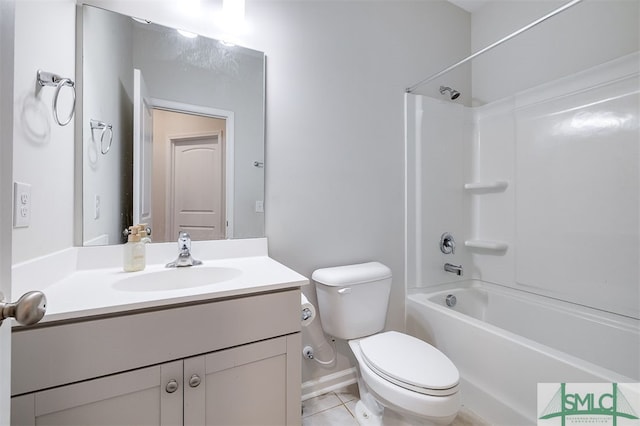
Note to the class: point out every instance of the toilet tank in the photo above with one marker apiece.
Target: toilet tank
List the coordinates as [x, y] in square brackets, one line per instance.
[353, 299]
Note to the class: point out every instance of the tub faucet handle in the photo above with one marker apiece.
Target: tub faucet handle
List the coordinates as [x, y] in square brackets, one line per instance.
[447, 243]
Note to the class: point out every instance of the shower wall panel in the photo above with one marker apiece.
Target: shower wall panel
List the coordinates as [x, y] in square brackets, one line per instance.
[570, 213]
[570, 150]
[492, 212]
[438, 162]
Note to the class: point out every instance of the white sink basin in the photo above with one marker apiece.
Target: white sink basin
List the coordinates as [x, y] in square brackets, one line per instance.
[176, 278]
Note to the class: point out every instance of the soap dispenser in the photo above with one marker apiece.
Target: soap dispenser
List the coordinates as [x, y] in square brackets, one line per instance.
[145, 233]
[134, 251]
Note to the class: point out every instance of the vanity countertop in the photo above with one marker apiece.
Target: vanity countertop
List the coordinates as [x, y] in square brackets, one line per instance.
[85, 282]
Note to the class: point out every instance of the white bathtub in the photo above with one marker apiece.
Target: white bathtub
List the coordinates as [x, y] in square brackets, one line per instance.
[504, 342]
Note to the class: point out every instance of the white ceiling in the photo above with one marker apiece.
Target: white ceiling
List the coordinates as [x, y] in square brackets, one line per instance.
[469, 5]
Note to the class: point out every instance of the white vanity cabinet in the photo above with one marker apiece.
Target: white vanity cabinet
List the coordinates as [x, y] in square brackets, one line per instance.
[232, 361]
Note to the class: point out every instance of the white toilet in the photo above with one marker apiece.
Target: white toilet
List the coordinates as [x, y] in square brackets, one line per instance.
[402, 380]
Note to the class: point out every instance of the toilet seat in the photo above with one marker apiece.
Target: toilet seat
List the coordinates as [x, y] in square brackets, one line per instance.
[410, 363]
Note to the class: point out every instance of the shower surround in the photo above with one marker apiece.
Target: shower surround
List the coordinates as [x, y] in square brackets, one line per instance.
[541, 191]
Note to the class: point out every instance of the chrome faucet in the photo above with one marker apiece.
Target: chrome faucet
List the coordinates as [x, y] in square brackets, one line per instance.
[184, 253]
[454, 269]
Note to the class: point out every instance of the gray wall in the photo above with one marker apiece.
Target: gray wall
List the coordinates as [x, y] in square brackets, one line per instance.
[585, 35]
[108, 86]
[43, 152]
[336, 73]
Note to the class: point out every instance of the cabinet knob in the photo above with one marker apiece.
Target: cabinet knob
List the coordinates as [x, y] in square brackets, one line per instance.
[172, 386]
[194, 381]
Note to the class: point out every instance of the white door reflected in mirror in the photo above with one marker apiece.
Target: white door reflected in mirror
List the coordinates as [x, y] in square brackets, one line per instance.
[142, 150]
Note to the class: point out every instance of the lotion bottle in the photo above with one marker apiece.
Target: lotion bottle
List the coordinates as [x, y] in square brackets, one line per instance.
[134, 251]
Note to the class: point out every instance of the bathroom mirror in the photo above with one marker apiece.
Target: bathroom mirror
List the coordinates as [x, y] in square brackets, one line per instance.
[169, 130]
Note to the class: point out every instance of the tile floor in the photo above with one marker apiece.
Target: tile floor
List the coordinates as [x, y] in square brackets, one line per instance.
[338, 409]
[331, 409]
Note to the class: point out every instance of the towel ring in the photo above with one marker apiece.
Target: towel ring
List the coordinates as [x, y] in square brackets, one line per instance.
[64, 82]
[101, 125]
[50, 79]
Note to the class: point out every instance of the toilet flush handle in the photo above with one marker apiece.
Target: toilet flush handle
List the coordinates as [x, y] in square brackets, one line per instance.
[345, 290]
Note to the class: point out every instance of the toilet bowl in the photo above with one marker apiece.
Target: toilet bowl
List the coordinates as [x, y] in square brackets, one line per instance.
[408, 376]
[401, 379]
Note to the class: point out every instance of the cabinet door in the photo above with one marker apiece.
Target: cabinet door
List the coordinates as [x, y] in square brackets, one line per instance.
[245, 385]
[138, 397]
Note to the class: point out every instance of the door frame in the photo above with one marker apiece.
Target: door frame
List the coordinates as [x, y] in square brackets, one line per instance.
[229, 165]
[7, 36]
[142, 103]
[170, 176]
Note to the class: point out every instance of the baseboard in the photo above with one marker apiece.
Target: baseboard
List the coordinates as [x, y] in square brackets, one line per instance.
[328, 383]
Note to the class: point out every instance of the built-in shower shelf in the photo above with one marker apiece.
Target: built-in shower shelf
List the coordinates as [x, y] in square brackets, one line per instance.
[495, 186]
[487, 245]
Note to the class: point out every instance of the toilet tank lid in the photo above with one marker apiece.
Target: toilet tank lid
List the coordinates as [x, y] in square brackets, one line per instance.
[351, 274]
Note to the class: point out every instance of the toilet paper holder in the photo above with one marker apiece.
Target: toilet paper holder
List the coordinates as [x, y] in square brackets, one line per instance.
[307, 311]
[306, 314]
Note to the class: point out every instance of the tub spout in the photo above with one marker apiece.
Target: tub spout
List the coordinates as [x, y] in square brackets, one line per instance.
[454, 269]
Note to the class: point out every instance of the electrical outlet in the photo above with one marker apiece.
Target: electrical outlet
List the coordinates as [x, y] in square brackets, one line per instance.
[96, 207]
[21, 205]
